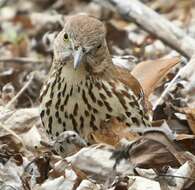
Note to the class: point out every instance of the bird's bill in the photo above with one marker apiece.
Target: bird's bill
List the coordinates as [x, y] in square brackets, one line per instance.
[78, 54]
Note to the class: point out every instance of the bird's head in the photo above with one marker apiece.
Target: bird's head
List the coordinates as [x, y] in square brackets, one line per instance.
[82, 41]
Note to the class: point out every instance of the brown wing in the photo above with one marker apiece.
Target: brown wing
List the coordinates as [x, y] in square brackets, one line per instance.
[128, 79]
[125, 76]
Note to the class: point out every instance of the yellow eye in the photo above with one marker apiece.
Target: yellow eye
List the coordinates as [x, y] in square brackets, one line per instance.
[65, 37]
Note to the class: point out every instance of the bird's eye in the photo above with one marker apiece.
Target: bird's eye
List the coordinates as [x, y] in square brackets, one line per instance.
[99, 46]
[65, 37]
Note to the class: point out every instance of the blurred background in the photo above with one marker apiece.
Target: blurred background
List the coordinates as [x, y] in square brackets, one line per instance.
[27, 30]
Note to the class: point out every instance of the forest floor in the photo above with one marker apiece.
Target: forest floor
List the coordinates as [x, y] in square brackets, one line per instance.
[155, 40]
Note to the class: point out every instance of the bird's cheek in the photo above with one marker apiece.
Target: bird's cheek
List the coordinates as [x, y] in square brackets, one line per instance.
[63, 55]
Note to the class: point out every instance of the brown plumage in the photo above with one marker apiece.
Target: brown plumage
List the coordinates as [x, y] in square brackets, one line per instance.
[83, 87]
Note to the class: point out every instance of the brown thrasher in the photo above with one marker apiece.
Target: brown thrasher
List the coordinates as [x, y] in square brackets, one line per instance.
[84, 87]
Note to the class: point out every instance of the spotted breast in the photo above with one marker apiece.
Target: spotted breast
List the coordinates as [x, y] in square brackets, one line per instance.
[82, 103]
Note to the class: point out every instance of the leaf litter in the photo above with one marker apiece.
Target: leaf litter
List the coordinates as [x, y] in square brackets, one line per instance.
[158, 158]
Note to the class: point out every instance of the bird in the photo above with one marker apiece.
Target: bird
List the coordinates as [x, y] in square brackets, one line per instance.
[84, 87]
[67, 143]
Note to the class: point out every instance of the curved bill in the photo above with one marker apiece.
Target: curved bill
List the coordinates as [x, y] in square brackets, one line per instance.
[78, 54]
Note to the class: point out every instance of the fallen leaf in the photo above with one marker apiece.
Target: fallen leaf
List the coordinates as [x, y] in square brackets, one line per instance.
[20, 120]
[190, 113]
[172, 178]
[63, 176]
[88, 185]
[158, 149]
[141, 183]
[178, 183]
[29, 141]
[151, 73]
[96, 161]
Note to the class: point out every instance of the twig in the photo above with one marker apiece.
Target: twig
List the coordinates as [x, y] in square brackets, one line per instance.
[176, 176]
[152, 22]
[10, 103]
[179, 74]
[169, 175]
[12, 132]
[160, 99]
[22, 60]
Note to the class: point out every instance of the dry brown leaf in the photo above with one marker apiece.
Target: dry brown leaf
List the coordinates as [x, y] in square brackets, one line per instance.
[190, 113]
[165, 141]
[112, 132]
[96, 162]
[186, 141]
[158, 150]
[151, 73]
[156, 155]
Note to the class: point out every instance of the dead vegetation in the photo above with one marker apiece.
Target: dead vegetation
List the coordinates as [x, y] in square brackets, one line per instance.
[153, 39]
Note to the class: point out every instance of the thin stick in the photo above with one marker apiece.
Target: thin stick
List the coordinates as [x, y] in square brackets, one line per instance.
[152, 22]
[10, 103]
[176, 176]
[160, 99]
[22, 60]
[180, 73]
[12, 132]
